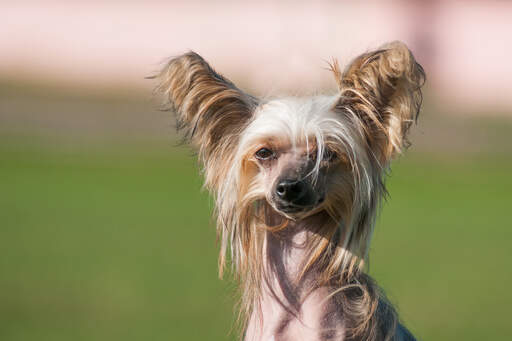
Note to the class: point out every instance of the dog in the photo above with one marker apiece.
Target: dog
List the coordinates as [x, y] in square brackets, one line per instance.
[298, 183]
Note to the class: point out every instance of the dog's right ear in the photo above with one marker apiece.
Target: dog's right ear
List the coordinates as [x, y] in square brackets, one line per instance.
[210, 109]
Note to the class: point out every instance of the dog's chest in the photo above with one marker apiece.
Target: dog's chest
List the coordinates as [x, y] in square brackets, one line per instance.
[315, 322]
[288, 312]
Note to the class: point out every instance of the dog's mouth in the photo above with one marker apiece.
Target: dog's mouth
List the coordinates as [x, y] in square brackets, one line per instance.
[294, 211]
[277, 215]
[291, 208]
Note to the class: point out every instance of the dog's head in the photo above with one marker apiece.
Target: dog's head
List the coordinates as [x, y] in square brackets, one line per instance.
[298, 156]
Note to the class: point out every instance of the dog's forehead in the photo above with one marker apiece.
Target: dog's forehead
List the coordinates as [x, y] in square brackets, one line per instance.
[292, 119]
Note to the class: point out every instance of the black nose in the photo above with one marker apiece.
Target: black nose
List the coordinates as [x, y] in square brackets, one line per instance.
[291, 190]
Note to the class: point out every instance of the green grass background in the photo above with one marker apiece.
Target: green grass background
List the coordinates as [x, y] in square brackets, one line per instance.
[114, 241]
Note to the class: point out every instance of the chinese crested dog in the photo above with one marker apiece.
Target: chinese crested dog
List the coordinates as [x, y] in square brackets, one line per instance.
[297, 184]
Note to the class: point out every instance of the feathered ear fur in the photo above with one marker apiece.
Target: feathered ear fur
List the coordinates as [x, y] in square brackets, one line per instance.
[210, 109]
[382, 90]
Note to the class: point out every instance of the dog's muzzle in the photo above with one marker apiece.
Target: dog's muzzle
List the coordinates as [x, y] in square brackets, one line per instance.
[293, 195]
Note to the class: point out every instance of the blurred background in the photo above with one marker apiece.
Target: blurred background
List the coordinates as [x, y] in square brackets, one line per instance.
[105, 233]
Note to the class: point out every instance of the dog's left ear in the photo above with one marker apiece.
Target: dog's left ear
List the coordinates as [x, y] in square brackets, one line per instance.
[381, 90]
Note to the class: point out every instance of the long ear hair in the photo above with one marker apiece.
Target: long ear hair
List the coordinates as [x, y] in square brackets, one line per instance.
[381, 90]
[210, 109]
[380, 94]
[213, 113]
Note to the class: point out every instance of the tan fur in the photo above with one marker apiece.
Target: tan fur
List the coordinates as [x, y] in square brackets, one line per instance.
[383, 89]
[210, 108]
[380, 94]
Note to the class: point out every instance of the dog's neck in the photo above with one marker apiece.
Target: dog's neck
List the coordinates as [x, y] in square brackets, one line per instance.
[291, 305]
[285, 251]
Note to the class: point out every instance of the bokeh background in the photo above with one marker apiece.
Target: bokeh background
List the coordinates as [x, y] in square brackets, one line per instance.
[105, 233]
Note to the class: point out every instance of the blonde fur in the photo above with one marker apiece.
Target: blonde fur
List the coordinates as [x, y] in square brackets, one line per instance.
[365, 125]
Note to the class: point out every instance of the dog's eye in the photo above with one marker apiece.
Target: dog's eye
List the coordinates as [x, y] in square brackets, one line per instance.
[329, 155]
[264, 154]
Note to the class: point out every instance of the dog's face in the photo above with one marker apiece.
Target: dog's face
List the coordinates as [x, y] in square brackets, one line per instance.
[298, 153]
[288, 176]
